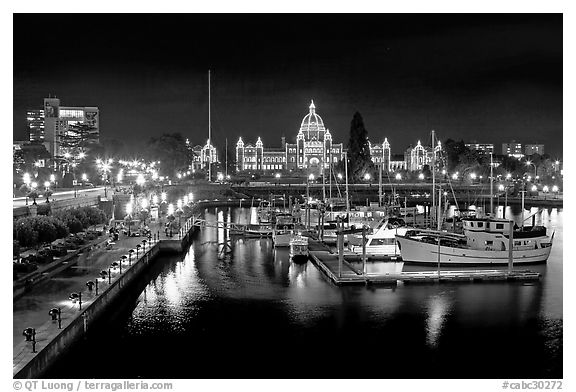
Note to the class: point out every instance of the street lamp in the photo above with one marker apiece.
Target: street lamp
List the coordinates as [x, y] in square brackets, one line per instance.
[367, 176]
[26, 180]
[129, 216]
[47, 191]
[163, 197]
[277, 178]
[310, 178]
[528, 163]
[398, 176]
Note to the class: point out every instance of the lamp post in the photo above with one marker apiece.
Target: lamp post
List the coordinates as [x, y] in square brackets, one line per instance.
[277, 178]
[398, 178]
[310, 178]
[528, 163]
[47, 191]
[33, 186]
[26, 179]
[129, 216]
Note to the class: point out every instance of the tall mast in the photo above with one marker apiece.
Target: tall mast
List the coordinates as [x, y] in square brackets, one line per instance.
[433, 176]
[380, 179]
[330, 175]
[226, 158]
[346, 170]
[323, 180]
[491, 186]
[209, 134]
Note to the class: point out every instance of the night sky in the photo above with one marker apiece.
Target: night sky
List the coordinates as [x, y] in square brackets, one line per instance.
[473, 77]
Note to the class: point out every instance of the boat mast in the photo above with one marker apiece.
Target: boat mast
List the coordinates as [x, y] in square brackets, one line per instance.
[323, 181]
[380, 179]
[433, 177]
[523, 191]
[346, 170]
[209, 134]
[330, 175]
[439, 214]
[491, 187]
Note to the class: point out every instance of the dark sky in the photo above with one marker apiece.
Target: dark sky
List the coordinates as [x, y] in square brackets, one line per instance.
[489, 78]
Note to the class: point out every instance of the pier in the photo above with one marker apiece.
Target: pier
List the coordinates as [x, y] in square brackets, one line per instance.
[344, 273]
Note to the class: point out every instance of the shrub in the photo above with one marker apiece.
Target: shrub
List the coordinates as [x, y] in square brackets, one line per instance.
[43, 209]
[16, 249]
[31, 231]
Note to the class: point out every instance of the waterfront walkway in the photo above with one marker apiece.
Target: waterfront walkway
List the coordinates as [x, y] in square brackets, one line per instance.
[31, 309]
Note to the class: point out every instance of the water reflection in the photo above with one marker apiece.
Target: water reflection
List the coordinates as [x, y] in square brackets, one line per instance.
[438, 309]
[270, 304]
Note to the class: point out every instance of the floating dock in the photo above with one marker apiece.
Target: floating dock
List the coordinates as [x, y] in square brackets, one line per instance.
[346, 274]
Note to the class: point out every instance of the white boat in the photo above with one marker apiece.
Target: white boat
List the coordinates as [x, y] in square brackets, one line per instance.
[299, 249]
[261, 230]
[485, 241]
[264, 212]
[382, 243]
[284, 230]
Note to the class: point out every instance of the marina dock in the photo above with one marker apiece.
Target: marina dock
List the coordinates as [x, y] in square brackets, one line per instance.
[346, 274]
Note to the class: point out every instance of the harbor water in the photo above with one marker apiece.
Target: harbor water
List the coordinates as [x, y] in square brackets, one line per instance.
[235, 307]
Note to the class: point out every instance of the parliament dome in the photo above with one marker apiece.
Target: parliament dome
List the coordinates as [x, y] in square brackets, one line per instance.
[312, 125]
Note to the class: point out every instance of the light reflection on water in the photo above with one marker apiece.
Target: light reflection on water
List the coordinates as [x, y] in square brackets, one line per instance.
[271, 304]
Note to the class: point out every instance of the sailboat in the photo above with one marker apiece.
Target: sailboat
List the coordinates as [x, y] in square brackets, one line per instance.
[486, 240]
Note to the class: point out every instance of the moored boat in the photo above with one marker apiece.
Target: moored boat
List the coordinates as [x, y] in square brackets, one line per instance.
[299, 249]
[382, 243]
[485, 241]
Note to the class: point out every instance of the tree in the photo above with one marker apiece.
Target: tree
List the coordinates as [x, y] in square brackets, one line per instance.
[171, 151]
[454, 150]
[31, 231]
[33, 194]
[359, 160]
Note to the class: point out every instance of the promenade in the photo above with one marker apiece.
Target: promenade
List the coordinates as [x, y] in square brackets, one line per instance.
[31, 310]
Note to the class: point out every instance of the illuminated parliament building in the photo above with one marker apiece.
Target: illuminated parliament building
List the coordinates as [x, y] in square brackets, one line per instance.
[314, 151]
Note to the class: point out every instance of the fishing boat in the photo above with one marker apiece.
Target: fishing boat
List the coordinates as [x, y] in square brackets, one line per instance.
[299, 249]
[264, 212]
[485, 241]
[284, 230]
[382, 243]
[258, 230]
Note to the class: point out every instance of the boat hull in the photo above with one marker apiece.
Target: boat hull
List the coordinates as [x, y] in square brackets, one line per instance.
[282, 240]
[414, 251]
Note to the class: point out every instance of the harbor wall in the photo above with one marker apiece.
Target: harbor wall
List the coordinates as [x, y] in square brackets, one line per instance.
[94, 311]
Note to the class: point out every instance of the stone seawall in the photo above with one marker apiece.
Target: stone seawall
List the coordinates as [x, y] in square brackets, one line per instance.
[36, 364]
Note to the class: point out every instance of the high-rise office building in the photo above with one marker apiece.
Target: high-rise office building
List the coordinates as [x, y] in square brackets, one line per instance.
[60, 122]
[35, 122]
[484, 148]
[512, 149]
[531, 149]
